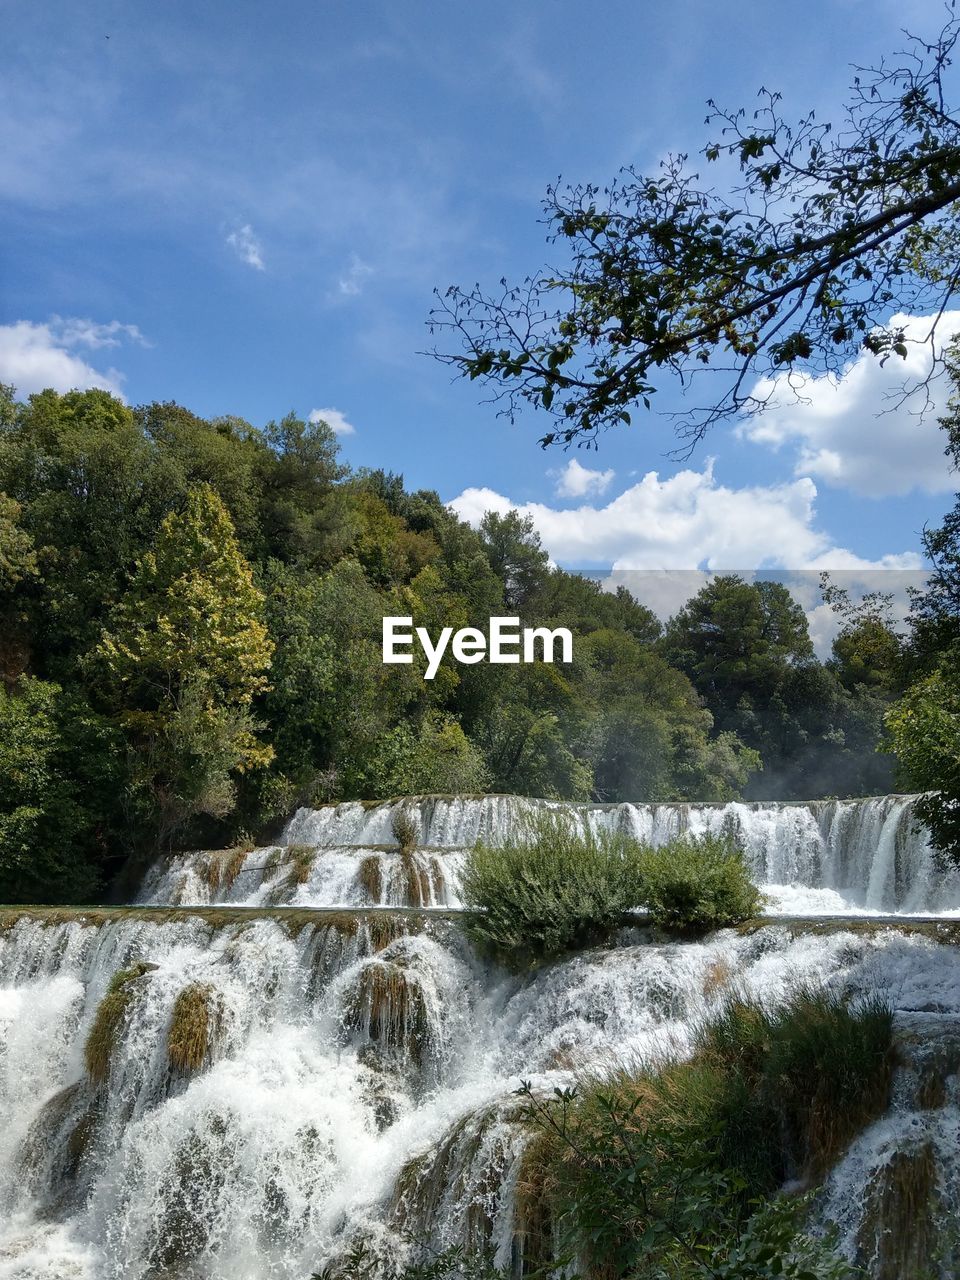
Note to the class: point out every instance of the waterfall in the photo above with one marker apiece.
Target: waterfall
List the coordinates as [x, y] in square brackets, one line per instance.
[822, 857]
[243, 1082]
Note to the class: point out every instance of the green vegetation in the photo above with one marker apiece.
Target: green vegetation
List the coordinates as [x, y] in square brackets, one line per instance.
[188, 648]
[924, 725]
[693, 885]
[809, 256]
[300, 859]
[676, 1171]
[549, 889]
[108, 1022]
[553, 888]
[924, 730]
[190, 628]
[405, 829]
[194, 1024]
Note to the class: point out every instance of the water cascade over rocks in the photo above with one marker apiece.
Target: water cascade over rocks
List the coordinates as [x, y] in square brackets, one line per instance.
[279, 1052]
[823, 857]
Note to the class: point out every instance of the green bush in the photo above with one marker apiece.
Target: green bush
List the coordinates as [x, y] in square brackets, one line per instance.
[550, 888]
[641, 1172]
[553, 888]
[697, 884]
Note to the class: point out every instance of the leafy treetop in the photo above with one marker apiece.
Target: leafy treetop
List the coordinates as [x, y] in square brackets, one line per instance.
[826, 235]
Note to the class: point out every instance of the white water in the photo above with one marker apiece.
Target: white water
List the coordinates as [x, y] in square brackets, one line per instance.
[361, 1082]
[291, 1141]
[824, 857]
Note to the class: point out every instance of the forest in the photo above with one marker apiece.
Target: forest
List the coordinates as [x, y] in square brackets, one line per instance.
[190, 649]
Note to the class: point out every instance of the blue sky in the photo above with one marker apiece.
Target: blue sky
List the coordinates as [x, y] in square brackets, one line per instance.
[245, 208]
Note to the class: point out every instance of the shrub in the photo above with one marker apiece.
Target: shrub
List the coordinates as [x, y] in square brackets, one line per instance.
[406, 829]
[553, 888]
[640, 1171]
[697, 884]
[550, 888]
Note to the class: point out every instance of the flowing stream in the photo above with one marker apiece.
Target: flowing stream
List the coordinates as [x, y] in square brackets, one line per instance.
[359, 1075]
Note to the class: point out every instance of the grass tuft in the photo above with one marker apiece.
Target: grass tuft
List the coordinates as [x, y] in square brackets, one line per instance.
[194, 1024]
[299, 858]
[111, 1014]
[406, 828]
[371, 877]
[222, 866]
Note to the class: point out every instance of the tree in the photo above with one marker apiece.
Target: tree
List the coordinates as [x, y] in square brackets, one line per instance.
[79, 467]
[923, 727]
[652, 731]
[188, 651]
[798, 268]
[437, 756]
[924, 731]
[516, 555]
[59, 773]
[867, 649]
[228, 454]
[19, 572]
[935, 611]
[300, 516]
[18, 558]
[736, 640]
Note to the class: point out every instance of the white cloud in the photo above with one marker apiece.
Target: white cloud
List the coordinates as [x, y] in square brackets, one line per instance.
[849, 430]
[351, 282]
[689, 521]
[246, 246]
[36, 356]
[334, 420]
[75, 332]
[576, 481]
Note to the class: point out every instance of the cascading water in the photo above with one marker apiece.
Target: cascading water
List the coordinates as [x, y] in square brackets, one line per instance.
[352, 1073]
[824, 857]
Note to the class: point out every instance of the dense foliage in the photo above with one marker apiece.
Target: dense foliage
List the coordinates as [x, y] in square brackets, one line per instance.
[190, 646]
[695, 884]
[549, 889]
[553, 888]
[675, 1171]
[924, 725]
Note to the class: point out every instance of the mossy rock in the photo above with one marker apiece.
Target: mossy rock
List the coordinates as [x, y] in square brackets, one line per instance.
[899, 1235]
[111, 1013]
[195, 1024]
